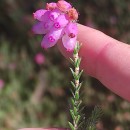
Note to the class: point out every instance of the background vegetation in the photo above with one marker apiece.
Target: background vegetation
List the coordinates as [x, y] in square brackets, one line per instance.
[34, 83]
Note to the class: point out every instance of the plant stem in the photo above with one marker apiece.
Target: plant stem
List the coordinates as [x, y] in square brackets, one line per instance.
[75, 100]
[78, 118]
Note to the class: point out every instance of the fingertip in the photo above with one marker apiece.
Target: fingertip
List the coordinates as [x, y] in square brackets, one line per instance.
[92, 41]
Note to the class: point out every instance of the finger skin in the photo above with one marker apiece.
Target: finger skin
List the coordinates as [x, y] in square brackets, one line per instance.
[104, 58]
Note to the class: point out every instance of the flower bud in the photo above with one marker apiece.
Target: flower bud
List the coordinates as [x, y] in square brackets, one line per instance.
[73, 14]
[63, 5]
[51, 6]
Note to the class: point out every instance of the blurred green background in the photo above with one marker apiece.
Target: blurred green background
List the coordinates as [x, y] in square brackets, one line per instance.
[34, 83]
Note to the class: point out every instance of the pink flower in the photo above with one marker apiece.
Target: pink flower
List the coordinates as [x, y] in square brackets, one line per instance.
[39, 13]
[69, 43]
[57, 21]
[71, 30]
[2, 83]
[51, 38]
[39, 58]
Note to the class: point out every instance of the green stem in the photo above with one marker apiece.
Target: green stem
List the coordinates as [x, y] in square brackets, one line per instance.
[75, 100]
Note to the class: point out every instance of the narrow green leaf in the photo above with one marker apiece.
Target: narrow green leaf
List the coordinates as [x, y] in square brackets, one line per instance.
[72, 83]
[71, 60]
[73, 73]
[80, 85]
[79, 75]
[75, 51]
[72, 92]
[72, 102]
[77, 95]
[72, 114]
[71, 125]
[75, 111]
[78, 46]
[78, 118]
[80, 102]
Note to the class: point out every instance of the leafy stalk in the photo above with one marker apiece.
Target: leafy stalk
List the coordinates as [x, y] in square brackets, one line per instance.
[75, 100]
[79, 120]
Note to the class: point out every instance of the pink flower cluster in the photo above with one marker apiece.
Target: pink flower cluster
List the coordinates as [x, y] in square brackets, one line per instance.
[57, 21]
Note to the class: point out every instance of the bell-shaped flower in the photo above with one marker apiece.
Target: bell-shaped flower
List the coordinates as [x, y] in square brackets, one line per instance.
[71, 29]
[39, 13]
[51, 38]
[69, 43]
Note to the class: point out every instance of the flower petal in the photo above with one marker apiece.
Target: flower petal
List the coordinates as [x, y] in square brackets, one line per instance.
[51, 38]
[42, 27]
[49, 18]
[39, 13]
[69, 43]
[39, 28]
[54, 14]
[61, 21]
[45, 16]
[71, 29]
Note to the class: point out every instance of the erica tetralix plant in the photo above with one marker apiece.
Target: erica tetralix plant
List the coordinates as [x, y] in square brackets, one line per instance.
[57, 21]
